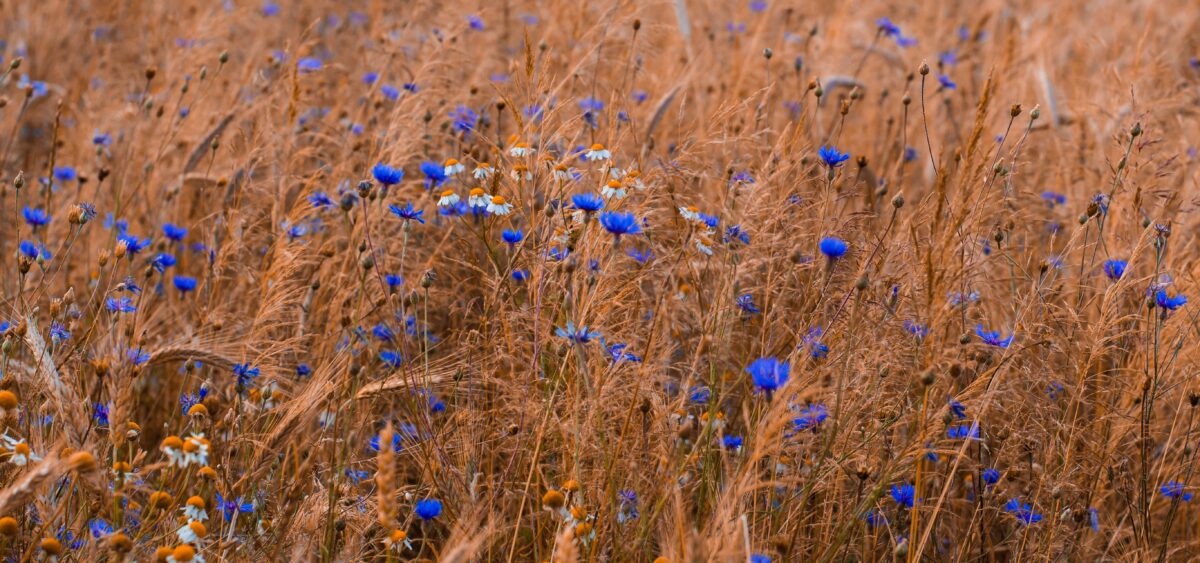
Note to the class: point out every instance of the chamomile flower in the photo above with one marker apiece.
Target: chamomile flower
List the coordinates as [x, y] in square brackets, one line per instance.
[195, 510]
[520, 149]
[192, 533]
[397, 541]
[564, 172]
[614, 188]
[633, 178]
[453, 167]
[448, 199]
[195, 450]
[498, 206]
[19, 450]
[689, 213]
[172, 447]
[478, 198]
[521, 172]
[482, 171]
[597, 152]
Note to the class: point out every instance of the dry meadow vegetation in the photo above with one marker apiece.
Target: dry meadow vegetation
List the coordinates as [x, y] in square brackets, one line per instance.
[538, 280]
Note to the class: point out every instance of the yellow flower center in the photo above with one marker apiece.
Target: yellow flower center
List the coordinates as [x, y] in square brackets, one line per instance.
[498, 200]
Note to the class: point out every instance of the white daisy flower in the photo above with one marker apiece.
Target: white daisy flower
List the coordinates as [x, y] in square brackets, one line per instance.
[478, 198]
[498, 206]
[448, 199]
[597, 152]
[194, 510]
[19, 449]
[521, 172]
[482, 171]
[613, 189]
[520, 149]
[453, 167]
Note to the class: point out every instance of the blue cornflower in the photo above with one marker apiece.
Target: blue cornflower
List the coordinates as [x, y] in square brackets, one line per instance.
[832, 157]
[393, 280]
[903, 495]
[383, 332]
[946, 82]
[628, 506]
[833, 247]
[1169, 302]
[1115, 269]
[99, 528]
[620, 223]
[812, 341]
[733, 443]
[587, 202]
[308, 64]
[407, 212]
[512, 237]
[137, 356]
[1175, 489]
[617, 353]
[768, 373]
[29, 249]
[992, 338]
[759, 558]
[1023, 512]
[736, 234]
[957, 409]
[59, 332]
[270, 9]
[991, 476]
[1054, 198]
[520, 275]
[390, 92]
[579, 335]
[231, 507]
[699, 394]
[886, 26]
[189, 400]
[184, 283]
[428, 509]
[245, 374]
[101, 139]
[465, 119]
[162, 262]
[36, 217]
[174, 232]
[558, 254]
[370, 78]
[385, 174]
[65, 173]
[746, 304]
[963, 432]
[642, 257]
[397, 444]
[303, 371]
[133, 244]
[811, 417]
[391, 358]
[321, 200]
[475, 22]
[435, 174]
[120, 304]
[357, 475]
[918, 330]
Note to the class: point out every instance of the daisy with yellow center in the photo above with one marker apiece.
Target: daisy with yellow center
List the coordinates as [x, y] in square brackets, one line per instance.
[478, 198]
[690, 213]
[521, 172]
[172, 446]
[397, 540]
[597, 152]
[520, 150]
[453, 167]
[482, 171]
[448, 199]
[498, 206]
[195, 450]
[21, 452]
[122, 470]
[185, 554]
[195, 510]
[563, 172]
[192, 532]
[613, 189]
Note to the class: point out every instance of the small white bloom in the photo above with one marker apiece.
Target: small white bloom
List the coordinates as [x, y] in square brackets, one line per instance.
[497, 206]
[613, 189]
[520, 149]
[478, 198]
[454, 167]
[448, 199]
[482, 171]
[597, 152]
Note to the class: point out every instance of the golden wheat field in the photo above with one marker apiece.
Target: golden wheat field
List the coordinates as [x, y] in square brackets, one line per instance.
[634, 280]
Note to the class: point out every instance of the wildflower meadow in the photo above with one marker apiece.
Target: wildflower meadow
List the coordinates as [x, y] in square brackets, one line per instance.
[644, 280]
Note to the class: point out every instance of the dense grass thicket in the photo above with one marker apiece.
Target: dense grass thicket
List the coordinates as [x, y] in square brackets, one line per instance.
[538, 280]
